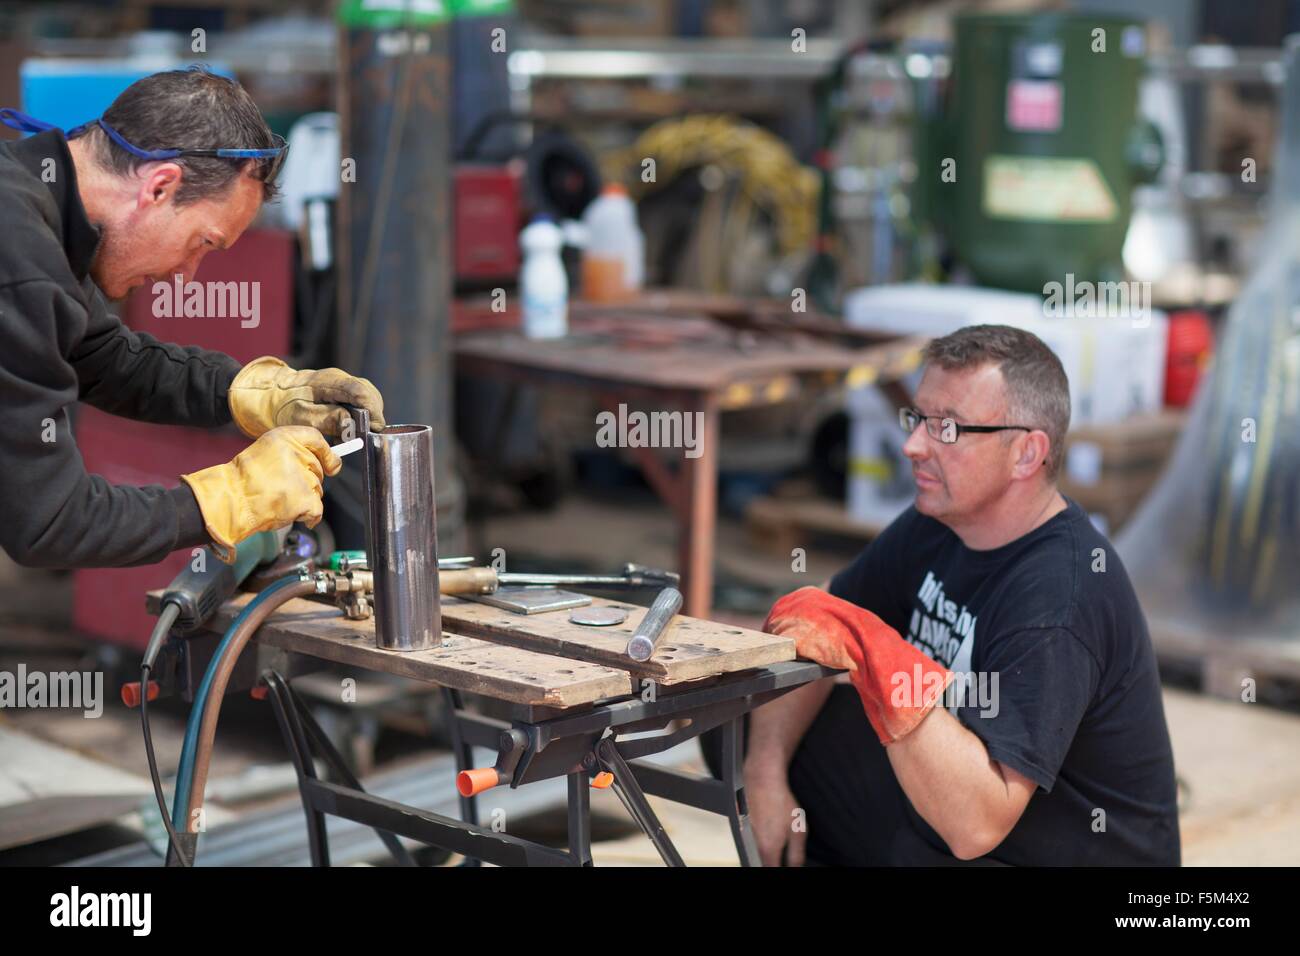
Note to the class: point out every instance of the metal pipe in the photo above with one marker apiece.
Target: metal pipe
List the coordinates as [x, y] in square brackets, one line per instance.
[651, 630]
[402, 537]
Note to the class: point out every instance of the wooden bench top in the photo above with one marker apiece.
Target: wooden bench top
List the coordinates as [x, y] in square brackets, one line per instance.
[536, 659]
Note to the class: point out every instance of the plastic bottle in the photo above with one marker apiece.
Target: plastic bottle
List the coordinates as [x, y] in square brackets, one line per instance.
[613, 265]
[542, 283]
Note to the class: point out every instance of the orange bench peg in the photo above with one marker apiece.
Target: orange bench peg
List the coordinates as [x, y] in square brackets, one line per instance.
[131, 692]
[603, 780]
[472, 782]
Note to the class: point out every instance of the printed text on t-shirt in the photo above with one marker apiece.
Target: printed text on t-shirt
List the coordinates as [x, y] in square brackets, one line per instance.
[940, 633]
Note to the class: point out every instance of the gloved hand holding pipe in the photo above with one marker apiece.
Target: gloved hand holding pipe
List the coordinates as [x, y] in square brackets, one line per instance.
[270, 484]
[277, 480]
[267, 393]
[883, 667]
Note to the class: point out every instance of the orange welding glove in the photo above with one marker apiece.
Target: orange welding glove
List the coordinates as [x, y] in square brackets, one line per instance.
[898, 683]
[267, 393]
[270, 484]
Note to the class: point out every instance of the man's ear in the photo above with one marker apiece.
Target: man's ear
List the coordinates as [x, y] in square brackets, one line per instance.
[1035, 446]
[159, 183]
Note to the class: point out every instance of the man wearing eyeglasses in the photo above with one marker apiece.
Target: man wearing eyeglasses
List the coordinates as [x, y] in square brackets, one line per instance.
[178, 165]
[1005, 706]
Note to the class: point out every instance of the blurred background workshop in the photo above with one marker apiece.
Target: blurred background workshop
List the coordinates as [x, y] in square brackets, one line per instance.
[658, 275]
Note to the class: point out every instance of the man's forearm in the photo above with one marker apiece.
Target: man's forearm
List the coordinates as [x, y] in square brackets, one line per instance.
[954, 785]
[775, 729]
[134, 375]
[68, 519]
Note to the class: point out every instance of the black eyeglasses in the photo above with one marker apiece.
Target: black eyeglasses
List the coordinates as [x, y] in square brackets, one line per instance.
[945, 429]
[30, 124]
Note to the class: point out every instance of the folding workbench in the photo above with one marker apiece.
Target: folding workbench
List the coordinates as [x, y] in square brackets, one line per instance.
[572, 700]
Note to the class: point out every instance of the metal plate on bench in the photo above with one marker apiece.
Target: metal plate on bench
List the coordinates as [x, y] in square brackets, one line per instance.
[529, 600]
[598, 616]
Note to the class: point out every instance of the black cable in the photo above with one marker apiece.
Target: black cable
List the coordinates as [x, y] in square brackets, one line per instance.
[165, 620]
[174, 840]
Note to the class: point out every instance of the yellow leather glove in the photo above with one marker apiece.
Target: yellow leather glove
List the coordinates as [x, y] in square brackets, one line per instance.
[270, 484]
[267, 393]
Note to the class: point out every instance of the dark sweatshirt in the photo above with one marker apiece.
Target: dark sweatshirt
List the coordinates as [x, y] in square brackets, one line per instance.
[58, 344]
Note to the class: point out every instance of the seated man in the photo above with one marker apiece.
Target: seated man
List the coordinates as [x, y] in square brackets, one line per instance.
[1049, 744]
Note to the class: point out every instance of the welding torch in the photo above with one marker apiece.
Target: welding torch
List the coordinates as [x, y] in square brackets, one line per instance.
[462, 580]
[458, 576]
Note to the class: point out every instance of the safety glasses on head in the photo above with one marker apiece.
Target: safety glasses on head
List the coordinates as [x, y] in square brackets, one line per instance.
[276, 153]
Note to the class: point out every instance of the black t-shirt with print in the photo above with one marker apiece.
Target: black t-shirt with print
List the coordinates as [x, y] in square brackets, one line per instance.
[1059, 682]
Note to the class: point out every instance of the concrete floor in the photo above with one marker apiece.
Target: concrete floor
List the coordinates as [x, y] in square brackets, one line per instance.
[1236, 762]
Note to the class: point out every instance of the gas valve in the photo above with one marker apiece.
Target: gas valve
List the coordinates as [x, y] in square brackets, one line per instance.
[352, 591]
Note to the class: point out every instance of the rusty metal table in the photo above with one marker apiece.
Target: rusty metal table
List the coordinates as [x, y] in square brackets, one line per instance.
[657, 355]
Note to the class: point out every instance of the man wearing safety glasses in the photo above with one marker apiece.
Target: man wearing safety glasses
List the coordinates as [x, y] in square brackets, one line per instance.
[178, 165]
[1006, 707]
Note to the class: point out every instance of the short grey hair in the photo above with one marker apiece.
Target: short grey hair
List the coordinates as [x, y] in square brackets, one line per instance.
[192, 108]
[1038, 392]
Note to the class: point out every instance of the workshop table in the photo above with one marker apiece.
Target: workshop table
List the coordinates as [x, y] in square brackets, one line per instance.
[571, 695]
[720, 360]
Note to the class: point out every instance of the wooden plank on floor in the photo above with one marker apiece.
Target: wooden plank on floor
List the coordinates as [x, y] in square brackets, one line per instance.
[47, 790]
[23, 824]
[463, 663]
[1225, 658]
[691, 649]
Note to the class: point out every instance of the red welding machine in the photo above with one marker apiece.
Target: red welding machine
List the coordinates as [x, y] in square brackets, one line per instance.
[488, 217]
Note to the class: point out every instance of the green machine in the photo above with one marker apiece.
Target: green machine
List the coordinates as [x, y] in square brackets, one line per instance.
[1032, 162]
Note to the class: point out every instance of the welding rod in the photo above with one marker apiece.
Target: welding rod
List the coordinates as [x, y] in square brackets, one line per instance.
[468, 580]
[633, 576]
[651, 630]
[348, 447]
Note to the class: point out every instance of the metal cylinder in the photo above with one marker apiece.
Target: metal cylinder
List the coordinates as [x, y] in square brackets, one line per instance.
[402, 538]
[651, 630]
